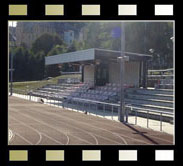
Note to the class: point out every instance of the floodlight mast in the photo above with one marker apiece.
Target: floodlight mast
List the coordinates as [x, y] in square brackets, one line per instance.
[121, 111]
[12, 44]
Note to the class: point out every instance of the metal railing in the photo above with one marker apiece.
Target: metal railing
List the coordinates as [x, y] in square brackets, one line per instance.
[97, 108]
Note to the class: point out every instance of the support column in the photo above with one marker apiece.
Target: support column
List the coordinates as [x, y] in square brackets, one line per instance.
[95, 74]
[82, 73]
[140, 74]
[144, 81]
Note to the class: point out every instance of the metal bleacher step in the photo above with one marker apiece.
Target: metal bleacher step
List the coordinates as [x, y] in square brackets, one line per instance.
[167, 86]
[51, 90]
[150, 91]
[151, 102]
[161, 97]
[152, 107]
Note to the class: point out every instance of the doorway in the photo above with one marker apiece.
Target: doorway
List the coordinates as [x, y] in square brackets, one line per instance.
[102, 74]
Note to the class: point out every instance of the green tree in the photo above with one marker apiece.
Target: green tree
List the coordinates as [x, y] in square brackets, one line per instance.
[54, 70]
[45, 43]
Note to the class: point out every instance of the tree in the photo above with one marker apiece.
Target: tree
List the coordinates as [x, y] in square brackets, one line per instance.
[54, 70]
[21, 64]
[45, 43]
[139, 38]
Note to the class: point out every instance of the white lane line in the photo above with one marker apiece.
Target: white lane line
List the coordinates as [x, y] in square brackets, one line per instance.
[40, 136]
[81, 139]
[22, 123]
[60, 143]
[59, 130]
[102, 136]
[120, 129]
[46, 125]
[110, 140]
[23, 138]
[85, 124]
[10, 135]
[39, 132]
[127, 130]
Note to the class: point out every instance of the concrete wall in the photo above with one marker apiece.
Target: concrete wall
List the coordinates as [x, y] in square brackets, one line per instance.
[89, 73]
[131, 73]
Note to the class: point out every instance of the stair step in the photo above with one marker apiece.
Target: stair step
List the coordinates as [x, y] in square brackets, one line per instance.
[146, 97]
[151, 102]
[153, 107]
[150, 91]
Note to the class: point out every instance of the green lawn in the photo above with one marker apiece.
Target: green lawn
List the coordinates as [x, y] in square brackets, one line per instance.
[32, 85]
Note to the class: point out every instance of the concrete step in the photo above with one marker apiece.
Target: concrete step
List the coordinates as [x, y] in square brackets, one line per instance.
[152, 107]
[146, 97]
[51, 90]
[151, 102]
[165, 86]
[150, 91]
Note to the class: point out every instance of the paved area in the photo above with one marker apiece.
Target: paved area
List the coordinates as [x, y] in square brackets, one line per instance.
[33, 123]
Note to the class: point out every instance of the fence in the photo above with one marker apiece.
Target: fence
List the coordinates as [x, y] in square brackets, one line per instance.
[95, 107]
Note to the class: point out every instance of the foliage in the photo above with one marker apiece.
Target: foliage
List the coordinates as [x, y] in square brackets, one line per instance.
[45, 43]
[140, 37]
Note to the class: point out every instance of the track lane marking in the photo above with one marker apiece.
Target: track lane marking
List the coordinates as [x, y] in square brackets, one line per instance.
[40, 136]
[124, 141]
[23, 138]
[127, 130]
[116, 127]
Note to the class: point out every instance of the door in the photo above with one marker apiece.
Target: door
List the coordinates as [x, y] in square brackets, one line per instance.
[102, 74]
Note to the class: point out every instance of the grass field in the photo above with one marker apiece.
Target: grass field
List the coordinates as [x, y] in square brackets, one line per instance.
[32, 85]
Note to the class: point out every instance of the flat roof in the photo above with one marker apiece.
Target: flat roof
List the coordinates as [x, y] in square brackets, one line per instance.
[91, 55]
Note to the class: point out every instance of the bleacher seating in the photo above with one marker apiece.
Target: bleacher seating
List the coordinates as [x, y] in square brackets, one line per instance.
[154, 99]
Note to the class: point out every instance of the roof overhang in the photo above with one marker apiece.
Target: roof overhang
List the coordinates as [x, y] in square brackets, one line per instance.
[89, 55]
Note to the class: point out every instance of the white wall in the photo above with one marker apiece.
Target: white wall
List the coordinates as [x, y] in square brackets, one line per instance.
[131, 73]
[89, 73]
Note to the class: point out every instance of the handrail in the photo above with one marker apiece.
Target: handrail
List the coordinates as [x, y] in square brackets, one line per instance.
[106, 103]
[127, 106]
[171, 69]
[132, 107]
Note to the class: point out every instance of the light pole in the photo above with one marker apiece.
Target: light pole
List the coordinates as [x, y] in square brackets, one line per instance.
[12, 44]
[121, 111]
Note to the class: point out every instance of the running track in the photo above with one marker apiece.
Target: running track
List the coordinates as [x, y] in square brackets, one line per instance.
[38, 124]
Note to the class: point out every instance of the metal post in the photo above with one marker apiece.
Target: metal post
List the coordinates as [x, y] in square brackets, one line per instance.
[136, 117]
[126, 111]
[103, 109]
[112, 112]
[11, 78]
[122, 108]
[161, 121]
[147, 119]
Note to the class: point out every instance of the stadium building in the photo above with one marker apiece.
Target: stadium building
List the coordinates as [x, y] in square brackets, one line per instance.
[100, 66]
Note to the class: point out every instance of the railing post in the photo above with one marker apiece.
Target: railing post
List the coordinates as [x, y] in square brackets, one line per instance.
[103, 109]
[161, 121]
[126, 110]
[147, 119]
[112, 111]
[136, 117]
[62, 103]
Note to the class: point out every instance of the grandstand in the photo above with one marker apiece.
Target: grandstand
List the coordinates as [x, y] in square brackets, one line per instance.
[100, 82]
[155, 100]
